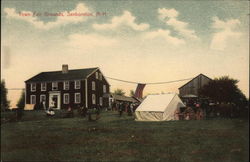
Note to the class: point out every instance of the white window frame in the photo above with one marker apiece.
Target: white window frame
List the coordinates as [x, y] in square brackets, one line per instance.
[93, 85]
[53, 86]
[64, 96]
[96, 75]
[64, 85]
[104, 88]
[100, 76]
[101, 101]
[31, 87]
[93, 99]
[41, 96]
[31, 99]
[77, 86]
[43, 86]
[76, 94]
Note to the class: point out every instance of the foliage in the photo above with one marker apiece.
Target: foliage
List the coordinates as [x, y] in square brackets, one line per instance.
[132, 93]
[119, 92]
[21, 101]
[5, 104]
[224, 89]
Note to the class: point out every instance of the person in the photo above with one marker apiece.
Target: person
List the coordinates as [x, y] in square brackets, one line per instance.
[129, 110]
[84, 111]
[50, 112]
[132, 108]
[120, 108]
[98, 109]
[70, 112]
[89, 114]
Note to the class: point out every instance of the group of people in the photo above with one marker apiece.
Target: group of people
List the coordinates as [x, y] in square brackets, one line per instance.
[124, 107]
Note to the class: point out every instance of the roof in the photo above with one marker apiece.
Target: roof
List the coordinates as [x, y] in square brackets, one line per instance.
[159, 103]
[195, 78]
[124, 98]
[58, 75]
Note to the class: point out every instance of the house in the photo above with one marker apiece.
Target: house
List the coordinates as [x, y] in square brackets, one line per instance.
[191, 88]
[61, 89]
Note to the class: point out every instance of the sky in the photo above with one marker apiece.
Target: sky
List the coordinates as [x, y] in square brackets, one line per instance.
[141, 41]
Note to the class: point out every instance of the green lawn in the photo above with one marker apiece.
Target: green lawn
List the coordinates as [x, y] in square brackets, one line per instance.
[38, 138]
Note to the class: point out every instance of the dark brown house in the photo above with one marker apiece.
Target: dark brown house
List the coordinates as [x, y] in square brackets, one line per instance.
[192, 87]
[61, 89]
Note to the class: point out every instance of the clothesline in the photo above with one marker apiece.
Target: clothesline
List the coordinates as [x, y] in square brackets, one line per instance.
[125, 81]
[132, 82]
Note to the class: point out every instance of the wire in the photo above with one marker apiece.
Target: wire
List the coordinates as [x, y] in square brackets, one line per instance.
[125, 81]
[148, 83]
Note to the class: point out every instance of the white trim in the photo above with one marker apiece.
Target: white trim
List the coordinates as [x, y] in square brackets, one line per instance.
[96, 75]
[104, 85]
[79, 84]
[54, 86]
[42, 86]
[103, 77]
[66, 94]
[79, 97]
[100, 101]
[93, 86]
[64, 87]
[41, 97]
[92, 73]
[93, 99]
[100, 76]
[31, 87]
[31, 99]
[86, 92]
[55, 93]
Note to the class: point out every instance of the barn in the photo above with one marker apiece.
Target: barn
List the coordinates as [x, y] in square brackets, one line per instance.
[67, 88]
[191, 88]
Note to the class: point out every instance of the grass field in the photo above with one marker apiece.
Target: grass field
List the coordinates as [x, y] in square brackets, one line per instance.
[39, 138]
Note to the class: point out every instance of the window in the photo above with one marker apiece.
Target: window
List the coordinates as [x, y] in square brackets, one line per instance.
[66, 85]
[66, 98]
[43, 86]
[93, 99]
[104, 89]
[96, 75]
[77, 84]
[93, 85]
[100, 101]
[33, 87]
[32, 99]
[77, 97]
[100, 76]
[42, 98]
[54, 85]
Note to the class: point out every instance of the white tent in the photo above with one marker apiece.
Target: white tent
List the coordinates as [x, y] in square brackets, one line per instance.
[161, 107]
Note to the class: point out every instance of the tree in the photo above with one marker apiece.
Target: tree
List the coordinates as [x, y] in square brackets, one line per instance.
[21, 101]
[132, 93]
[119, 92]
[223, 89]
[5, 104]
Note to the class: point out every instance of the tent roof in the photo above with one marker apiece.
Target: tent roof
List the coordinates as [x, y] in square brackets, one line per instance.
[156, 102]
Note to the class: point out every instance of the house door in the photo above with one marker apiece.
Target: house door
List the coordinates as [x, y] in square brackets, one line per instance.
[55, 100]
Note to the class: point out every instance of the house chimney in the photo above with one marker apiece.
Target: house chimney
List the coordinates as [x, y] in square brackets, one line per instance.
[65, 69]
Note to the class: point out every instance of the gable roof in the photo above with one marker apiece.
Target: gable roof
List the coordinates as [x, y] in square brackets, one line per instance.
[77, 74]
[123, 98]
[195, 78]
